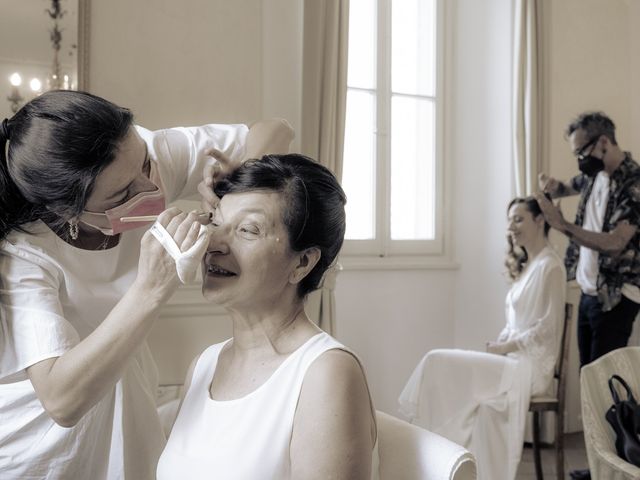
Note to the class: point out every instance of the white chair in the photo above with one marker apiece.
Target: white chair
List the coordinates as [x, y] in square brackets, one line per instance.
[604, 462]
[408, 452]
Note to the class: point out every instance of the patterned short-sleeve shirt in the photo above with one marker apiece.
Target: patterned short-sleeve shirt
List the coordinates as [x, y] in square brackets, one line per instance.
[623, 204]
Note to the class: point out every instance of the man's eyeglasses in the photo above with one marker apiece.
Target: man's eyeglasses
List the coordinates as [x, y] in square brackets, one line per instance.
[580, 154]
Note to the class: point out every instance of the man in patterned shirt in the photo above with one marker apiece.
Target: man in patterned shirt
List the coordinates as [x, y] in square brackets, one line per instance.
[603, 253]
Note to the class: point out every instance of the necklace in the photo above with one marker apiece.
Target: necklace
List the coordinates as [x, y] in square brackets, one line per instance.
[104, 243]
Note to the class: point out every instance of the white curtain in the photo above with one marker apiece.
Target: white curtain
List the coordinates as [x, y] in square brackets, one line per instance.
[324, 93]
[324, 81]
[527, 96]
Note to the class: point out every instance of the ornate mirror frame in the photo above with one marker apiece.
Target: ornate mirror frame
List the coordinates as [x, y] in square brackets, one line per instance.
[84, 30]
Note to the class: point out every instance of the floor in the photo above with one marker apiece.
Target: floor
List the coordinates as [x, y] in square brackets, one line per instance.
[575, 457]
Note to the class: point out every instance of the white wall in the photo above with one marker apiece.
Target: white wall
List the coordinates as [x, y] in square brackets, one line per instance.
[591, 61]
[281, 62]
[481, 144]
[179, 63]
[391, 318]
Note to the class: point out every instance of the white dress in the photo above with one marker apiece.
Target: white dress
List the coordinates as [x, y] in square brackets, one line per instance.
[243, 439]
[53, 295]
[480, 400]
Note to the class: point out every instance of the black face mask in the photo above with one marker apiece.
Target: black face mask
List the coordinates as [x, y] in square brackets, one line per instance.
[590, 165]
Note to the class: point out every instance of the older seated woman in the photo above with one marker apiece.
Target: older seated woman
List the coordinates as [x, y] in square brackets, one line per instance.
[281, 398]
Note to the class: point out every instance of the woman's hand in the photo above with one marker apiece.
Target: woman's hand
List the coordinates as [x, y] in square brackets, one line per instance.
[70, 384]
[552, 213]
[501, 348]
[265, 136]
[212, 173]
[156, 268]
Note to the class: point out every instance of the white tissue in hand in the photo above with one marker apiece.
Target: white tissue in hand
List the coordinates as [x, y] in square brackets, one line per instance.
[187, 263]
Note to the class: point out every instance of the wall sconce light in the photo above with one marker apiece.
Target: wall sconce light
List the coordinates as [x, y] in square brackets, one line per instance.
[15, 98]
[36, 85]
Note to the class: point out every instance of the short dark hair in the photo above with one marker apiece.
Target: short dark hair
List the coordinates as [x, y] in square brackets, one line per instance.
[58, 144]
[314, 202]
[594, 125]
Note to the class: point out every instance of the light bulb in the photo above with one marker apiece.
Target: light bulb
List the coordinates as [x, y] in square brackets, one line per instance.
[35, 84]
[15, 79]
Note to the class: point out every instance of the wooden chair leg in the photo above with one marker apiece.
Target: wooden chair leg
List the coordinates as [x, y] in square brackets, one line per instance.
[560, 445]
[536, 445]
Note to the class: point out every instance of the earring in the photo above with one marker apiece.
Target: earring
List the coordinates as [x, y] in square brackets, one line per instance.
[73, 229]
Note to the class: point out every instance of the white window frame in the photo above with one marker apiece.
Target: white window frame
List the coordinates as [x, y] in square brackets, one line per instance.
[416, 253]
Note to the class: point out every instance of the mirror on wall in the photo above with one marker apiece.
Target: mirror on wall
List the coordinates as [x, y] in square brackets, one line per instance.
[43, 46]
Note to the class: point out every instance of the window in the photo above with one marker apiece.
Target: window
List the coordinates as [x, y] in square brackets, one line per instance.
[392, 171]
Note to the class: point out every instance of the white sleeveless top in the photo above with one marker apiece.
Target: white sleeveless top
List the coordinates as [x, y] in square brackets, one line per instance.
[247, 438]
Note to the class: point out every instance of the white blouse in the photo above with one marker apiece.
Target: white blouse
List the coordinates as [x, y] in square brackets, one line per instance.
[534, 310]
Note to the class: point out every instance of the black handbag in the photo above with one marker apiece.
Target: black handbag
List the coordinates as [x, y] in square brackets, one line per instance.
[624, 417]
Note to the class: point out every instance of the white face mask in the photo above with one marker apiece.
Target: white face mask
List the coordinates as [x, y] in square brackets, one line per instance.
[143, 204]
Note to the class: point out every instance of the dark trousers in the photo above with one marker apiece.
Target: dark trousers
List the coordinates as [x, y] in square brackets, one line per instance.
[600, 332]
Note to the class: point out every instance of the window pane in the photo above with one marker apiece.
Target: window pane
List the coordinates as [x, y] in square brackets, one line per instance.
[362, 41]
[412, 168]
[358, 171]
[413, 47]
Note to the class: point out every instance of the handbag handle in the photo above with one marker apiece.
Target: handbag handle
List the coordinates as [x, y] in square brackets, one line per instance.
[614, 392]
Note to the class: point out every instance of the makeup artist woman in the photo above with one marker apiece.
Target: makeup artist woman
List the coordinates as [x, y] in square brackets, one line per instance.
[80, 290]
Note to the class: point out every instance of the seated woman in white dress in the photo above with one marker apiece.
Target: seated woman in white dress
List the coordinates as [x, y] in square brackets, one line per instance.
[280, 399]
[480, 400]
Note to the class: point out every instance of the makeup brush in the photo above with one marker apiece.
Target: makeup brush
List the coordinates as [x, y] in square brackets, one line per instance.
[203, 217]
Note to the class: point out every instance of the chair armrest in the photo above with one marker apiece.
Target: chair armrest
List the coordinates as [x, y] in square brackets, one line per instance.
[609, 466]
[408, 451]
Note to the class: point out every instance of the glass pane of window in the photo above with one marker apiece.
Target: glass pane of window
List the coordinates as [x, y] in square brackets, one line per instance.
[358, 171]
[362, 41]
[412, 168]
[413, 50]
